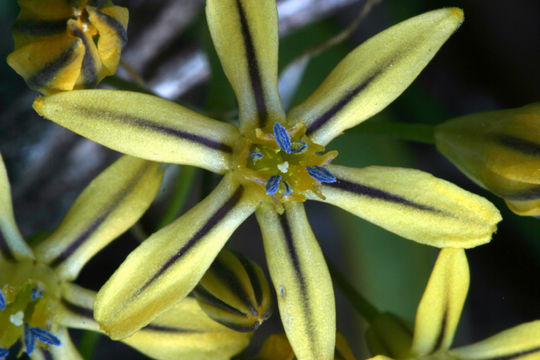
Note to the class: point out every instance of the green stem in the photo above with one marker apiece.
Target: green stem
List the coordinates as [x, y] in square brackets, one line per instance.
[88, 343]
[360, 303]
[183, 187]
[411, 132]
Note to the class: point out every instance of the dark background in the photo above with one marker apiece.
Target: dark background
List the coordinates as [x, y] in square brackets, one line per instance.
[492, 62]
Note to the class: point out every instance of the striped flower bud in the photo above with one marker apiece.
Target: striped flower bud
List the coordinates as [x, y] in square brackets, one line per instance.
[67, 44]
[500, 151]
[234, 292]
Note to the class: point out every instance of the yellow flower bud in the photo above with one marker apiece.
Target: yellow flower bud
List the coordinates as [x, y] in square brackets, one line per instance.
[235, 293]
[66, 44]
[500, 151]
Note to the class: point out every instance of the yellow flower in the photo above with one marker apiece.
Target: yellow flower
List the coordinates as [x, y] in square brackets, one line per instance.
[67, 44]
[277, 347]
[271, 164]
[437, 318]
[500, 151]
[39, 302]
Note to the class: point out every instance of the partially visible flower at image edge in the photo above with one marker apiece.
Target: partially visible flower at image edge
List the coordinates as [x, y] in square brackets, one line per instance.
[39, 301]
[56, 47]
[500, 151]
[272, 163]
[437, 318]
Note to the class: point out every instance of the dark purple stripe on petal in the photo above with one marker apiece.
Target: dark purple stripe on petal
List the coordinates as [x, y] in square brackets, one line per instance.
[523, 146]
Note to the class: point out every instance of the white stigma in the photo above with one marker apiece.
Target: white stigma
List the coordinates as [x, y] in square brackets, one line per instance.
[17, 318]
[283, 167]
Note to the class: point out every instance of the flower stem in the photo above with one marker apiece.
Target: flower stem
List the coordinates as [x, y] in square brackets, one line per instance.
[411, 132]
[360, 303]
[183, 187]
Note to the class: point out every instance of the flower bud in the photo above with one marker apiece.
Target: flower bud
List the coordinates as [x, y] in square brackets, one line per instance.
[500, 151]
[390, 336]
[234, 292]
[64, 44]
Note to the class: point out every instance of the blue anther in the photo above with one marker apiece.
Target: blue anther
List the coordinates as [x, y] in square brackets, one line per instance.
[272, 185]
[321, 174]
[45, 336]
[298, 146]
[36, 293]
[288, 188]
[2, 301]
[3, 353]
[283, 138]
[29, 340]
[256, 156]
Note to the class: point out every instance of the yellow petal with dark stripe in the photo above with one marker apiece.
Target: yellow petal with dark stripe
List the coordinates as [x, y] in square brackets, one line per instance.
[440, 307]
[245, 34]
[169, 264]
[500, 151]
[234, 292]
[63, 352]
[111, 23]
[301, 279]
[144, 126]
[91, 68]
[12, 245]
[413, 204]
[45, 9]
[374, 74]
[182, 332]
[111, 204]
[521, 342]
[50, 65]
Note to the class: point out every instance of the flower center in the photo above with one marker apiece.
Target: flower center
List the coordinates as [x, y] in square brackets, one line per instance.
[283, 164]
[29, 295]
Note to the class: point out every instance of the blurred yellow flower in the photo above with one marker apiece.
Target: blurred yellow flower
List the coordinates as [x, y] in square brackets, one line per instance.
[67, 44]
[437, 318]
[500, 151]
[272, 162]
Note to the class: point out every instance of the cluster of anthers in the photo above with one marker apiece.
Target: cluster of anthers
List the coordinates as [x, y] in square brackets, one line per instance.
[283, 163]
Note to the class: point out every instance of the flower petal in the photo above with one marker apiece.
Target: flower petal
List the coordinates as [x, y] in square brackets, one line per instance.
[182, 332]
[440, 307]
[50, 65]
[413, 204]
[144, 126]
[168, 265]
[245, 34]
[12, 245]
[65, 351]
[111, 24]
[111, 204]
[519, 342]
[374, 74]
[301, 279]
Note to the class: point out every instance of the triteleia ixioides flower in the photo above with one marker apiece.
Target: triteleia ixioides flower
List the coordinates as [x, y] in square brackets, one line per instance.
[500, 151]
[67, 44]
[272, 163]
[39, 301]
[437, 318]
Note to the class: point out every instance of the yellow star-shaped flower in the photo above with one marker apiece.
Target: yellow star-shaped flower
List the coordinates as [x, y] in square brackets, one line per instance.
[271, 163]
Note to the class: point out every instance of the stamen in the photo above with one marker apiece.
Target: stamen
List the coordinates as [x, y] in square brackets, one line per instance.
[45, 336]
[29, 340]
[256, 156]
[272, 185]
[3, 353]
[283, 138]
[17, 318]
[321, 174]
[298, 146]
[283, 167]
[288, 188]
[2, 301]
[36, 293]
